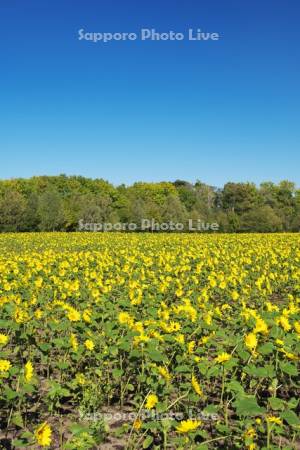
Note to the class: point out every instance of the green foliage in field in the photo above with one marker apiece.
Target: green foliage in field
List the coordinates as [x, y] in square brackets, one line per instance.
[161, 341]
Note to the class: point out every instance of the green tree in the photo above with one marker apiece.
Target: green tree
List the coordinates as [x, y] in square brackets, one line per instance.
[50, 211]
[12, 211]
[31, 216]
[173, 210]
[240, 197]
[261, 219]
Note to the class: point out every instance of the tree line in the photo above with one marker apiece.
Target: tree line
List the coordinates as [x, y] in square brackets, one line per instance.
[58, 203]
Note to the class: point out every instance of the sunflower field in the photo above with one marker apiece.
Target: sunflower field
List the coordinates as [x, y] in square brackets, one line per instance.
[148, 340]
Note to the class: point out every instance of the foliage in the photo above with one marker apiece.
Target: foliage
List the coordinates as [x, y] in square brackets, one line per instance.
[58, 203]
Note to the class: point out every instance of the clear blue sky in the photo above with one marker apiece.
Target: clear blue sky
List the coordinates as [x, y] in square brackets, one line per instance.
[128, 111]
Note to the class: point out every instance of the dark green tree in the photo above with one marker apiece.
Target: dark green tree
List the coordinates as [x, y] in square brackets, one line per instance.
[50, 211]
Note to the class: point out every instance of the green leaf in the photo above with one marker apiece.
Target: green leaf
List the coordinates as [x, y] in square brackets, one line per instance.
[28, 388]
[45, 347]
[77, 429]
[10, 394]
[147, 442]
[17, 420]
[288, 368]
[63, 365]
[276, 403]
[124, 345]
[156, 356]
[291, 418]
[26, 435]
[152, 311]
[260, 372]
[135, 353]
[222, 428]
[117, 373]
[204, 434]
[293, 403]
[19, 443]
[266, 349]
[231, 363]
[64, 392]
[211, 409]
[214, 371]
[152, 425]
[114, 351]
[247, 406]
[243, 354]
[202, 366]
[60, 342]
[235, 386]
[182, 369]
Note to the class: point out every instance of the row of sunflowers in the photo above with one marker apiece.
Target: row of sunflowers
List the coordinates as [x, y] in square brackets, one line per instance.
[159, 341]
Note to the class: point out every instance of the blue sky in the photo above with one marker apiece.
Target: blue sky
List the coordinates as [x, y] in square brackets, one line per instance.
[126, 111]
